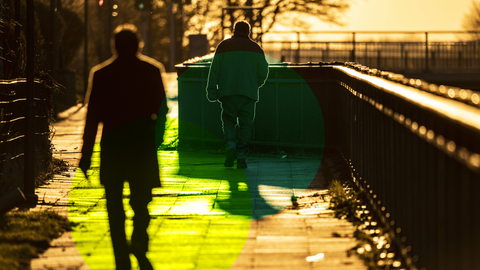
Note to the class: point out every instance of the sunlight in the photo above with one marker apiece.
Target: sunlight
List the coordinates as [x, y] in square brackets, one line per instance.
[452, 109]
[277, 197]
[203, 214]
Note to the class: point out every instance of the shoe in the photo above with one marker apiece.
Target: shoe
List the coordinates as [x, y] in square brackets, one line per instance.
[143, 261]
[141, 255]
[231, 156]
[241, 164]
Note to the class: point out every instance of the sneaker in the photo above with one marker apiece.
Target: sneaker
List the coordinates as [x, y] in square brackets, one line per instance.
[142, 259]
[143, 262]
[231, 156]
[241, 164]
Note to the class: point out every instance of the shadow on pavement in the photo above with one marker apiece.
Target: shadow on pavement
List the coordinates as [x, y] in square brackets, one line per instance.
[200, 216]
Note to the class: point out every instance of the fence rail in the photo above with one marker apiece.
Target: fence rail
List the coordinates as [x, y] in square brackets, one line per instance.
[12, 130]
[417, 156]
[393, 56]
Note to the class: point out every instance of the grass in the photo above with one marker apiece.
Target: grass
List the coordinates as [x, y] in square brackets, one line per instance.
[345, 202]
[374, 244]
[371, 241]
[46, 166]
[55, 166]
[24, 235]
[295, 204]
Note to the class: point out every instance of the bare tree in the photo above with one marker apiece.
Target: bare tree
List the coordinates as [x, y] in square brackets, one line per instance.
[471, 20]
[326, 10]
[208, 14]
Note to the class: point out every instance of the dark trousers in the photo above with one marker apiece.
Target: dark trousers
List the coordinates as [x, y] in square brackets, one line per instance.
[241, 110]
[139, 199]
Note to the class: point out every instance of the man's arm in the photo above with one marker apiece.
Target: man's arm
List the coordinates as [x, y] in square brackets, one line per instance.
[161, 116]
[262, 70]
[91, 126]
[212, 90]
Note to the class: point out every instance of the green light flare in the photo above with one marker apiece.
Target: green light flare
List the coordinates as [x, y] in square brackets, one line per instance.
[194, 218]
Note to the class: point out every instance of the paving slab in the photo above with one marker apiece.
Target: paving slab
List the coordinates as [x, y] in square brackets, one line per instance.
[205, 216]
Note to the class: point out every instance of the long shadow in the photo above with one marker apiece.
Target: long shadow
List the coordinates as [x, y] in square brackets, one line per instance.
[200, 216]
[239, 193]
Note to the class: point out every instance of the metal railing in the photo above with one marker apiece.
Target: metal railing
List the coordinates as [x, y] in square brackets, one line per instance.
[395, 56]
[398, 56]
[416, 155]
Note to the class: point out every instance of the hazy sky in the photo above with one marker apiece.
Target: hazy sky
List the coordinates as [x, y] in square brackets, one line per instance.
[399, 15]
[406, 14]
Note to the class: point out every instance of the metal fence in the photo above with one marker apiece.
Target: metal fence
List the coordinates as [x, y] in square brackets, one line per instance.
[416, 155]
[394, 56]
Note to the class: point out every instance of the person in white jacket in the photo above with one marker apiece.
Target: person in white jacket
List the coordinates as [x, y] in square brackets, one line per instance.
[239, 68]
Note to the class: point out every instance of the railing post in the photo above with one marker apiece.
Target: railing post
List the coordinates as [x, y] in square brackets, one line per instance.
[379, 60]
[459, 59]
[426, 52]
[366, 55]
[353, 44]
[474, 52]
[297, 56]
[327, 52]
[29, 158]
[402, 57]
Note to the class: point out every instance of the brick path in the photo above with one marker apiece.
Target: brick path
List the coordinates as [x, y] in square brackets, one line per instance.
[201, 217]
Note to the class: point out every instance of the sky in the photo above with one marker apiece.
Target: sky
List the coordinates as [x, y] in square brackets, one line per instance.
[399, 15]
[407, 14]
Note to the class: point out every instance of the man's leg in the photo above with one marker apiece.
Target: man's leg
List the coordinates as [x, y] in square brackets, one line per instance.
[229, 120]
[139, 199]
[245, 118]
[116, 218]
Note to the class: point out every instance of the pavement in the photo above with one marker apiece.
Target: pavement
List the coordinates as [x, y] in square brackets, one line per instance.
[204, 216]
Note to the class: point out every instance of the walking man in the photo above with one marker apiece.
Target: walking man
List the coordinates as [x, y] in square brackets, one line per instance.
[126, 94]
[238, 70]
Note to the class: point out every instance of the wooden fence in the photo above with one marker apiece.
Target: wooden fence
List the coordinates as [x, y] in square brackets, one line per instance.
[12, 131]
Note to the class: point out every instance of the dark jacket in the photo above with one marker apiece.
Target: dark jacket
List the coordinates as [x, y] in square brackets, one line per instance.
[126, 95]
[238, 67]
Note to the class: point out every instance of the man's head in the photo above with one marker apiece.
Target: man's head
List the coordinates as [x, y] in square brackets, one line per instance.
[241, 28]
[127, 40]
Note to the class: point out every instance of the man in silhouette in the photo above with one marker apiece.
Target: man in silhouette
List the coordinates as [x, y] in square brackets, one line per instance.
[238, 70]
[126, 94]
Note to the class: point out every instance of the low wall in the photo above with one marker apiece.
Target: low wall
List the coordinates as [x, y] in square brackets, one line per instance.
[288, 112]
